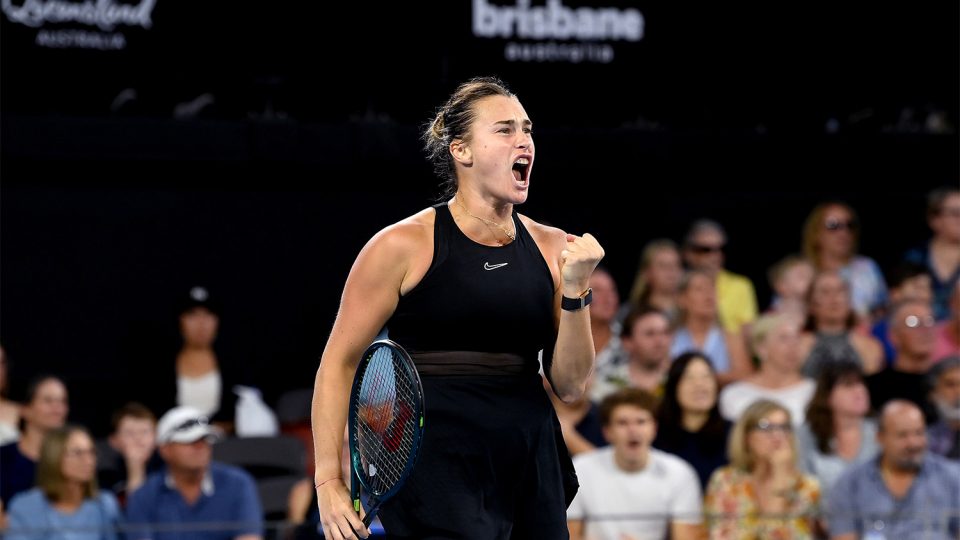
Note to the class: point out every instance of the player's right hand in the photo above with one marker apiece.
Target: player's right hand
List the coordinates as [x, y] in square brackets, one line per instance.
[337, 517]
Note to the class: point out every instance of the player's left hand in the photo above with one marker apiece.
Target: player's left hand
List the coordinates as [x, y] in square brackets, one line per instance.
[578, 260]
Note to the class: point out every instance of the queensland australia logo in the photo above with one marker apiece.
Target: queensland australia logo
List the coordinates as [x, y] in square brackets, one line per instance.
[85, 24]
[553, 32]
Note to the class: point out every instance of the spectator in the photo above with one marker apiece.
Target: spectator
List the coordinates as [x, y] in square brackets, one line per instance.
[838, 433]
[66, 503]
[630, 489]
[830, 237]
[736, 297]
[907, 492]
[646, 338]
[603, 318]
[199, 378]
[907, 280]
[911, 334]
[774, 339]
[790, 279]
[828, 333]
[699, 329]
[132, 451]
[944, 435]
[192, 492]
[688, 420]
[9, 410]
[947, 332]
[941, 254]
[761, 494]
[45, 410]
[657, 282]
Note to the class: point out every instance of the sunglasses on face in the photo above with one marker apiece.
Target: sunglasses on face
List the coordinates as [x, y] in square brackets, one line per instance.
[839, 225]
[913, 321]
[202, 421]
[767, 426]
[704, 249]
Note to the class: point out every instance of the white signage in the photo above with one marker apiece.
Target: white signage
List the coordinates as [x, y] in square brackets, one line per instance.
[556, 33]
[90, 24]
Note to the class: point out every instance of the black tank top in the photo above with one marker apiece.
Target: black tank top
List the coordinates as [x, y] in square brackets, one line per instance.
[478, 298]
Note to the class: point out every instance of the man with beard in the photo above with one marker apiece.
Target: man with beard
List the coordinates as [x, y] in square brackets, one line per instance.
[907, 492]
[944, 435]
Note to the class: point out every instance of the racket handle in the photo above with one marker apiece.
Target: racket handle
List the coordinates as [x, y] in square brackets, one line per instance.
[367, 519]
[355, 492]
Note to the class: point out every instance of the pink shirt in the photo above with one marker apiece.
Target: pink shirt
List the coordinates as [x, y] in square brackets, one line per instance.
[944, 344]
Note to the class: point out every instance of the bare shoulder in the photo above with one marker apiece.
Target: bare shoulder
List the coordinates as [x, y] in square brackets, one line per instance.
[807, 340]
[547, 237]
[406, 235]
[401, 253]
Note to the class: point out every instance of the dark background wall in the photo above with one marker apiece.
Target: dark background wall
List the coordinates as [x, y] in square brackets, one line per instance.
[107, 214]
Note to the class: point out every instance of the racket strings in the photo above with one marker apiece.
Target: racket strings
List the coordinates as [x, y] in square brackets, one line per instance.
[387, 420]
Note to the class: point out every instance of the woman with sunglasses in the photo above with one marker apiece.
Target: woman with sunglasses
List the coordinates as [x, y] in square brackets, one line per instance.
[830, 237]
[762, 494]
[66, 502]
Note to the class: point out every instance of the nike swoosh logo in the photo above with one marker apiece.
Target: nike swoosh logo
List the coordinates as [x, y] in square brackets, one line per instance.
[488, 266]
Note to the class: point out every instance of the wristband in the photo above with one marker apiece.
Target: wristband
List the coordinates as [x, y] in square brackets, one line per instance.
[578, 303]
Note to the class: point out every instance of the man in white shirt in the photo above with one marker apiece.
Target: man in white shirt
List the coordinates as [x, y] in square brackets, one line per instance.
[629, 490]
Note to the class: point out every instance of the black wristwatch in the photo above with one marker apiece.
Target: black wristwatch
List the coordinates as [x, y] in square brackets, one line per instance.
[578, 303]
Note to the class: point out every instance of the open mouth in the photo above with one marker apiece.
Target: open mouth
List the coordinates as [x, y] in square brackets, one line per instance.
[521, 169]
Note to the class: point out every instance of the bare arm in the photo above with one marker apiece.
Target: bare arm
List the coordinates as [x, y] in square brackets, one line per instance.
[686, 531]
[369, 298]
[575, 526]
[870, 350]
[740, 364]
[576, 443]
[298, 501]
[574, 354]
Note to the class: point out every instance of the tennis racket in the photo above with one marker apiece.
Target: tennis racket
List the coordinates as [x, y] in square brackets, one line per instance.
[385, 424]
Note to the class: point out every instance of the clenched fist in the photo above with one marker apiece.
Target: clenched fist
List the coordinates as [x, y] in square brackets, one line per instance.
[577, 262]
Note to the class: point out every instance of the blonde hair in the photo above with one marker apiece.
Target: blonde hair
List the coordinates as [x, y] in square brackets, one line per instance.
[50, 478]
[762, 327]
[640, 291]
[738, 450]
[780, 268]
[685, 282]
[813, 228]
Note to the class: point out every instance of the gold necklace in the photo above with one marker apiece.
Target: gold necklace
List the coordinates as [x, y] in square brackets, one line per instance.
[512, 236]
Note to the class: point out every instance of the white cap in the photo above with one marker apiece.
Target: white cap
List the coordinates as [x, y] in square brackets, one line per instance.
[184, 425]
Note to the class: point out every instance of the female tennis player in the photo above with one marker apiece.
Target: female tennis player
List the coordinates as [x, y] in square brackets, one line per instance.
[474, 291]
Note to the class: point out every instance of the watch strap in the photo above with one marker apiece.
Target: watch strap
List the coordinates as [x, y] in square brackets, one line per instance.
[578, 303]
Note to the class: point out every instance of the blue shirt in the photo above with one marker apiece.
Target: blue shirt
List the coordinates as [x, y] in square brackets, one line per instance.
[860, 503]
[228, 507]
[714, 347]
[32, 517]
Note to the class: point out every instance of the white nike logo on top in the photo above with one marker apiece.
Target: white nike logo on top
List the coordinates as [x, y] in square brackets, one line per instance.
[488, 266]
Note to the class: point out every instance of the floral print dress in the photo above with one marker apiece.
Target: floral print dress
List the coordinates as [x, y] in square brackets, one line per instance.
[734, 513]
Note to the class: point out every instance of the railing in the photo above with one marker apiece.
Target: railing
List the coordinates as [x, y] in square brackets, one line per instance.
[919, 525]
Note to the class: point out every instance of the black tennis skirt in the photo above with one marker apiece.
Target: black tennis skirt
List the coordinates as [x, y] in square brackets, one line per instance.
[493, 464]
